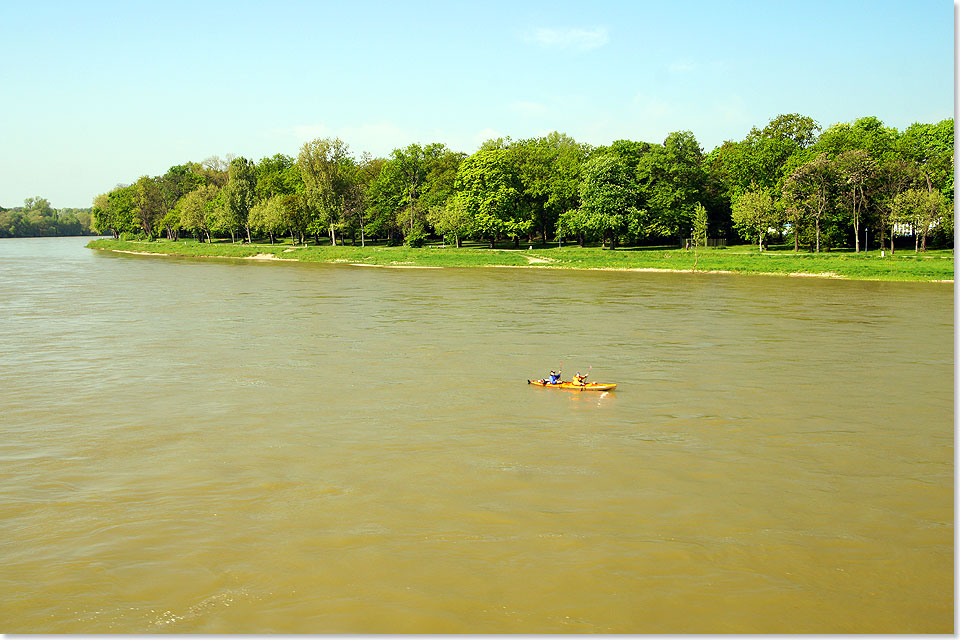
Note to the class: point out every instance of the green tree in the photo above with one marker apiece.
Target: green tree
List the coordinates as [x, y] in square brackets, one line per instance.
[384, 198]
[39, 206]
[239, 194]
[296, 216]
[452, 218]
[754, 212]
[810, 188]
[699, 235]
[149, 204]
[930, 147]
[114, 211]
[609, 196]
[441, 165]
[921, 209]
[214, 171]
[366, 172]
[408, 167]
[671, 179]
[269, 216]
[857, 173]
[894, 176]
[277, 175]
[327, 170]
[198, 210]
[762, 158]
[489, 190]
[701, 223]
[178, 181]
[549, 169]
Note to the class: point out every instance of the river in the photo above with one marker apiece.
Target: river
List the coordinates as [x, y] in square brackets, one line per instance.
[216, 446]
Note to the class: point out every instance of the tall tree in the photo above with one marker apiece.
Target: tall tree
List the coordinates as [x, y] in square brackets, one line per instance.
[239, 194]
[268, 216]
[609, 196]
[490, 190]
[919, 208]
[810, 188]
[895, 176]
[930, 146]
[754, 212]
[149, 203]
[114, 211]
[699, 235]
[367, 171]
[197, 210]
[326, 167]
[277, 175]
[549, 169]
[409, 166]
[671, 178]
[857, 173]
[452, 218]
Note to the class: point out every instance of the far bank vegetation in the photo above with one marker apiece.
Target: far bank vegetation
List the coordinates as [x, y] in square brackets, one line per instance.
[852, 186]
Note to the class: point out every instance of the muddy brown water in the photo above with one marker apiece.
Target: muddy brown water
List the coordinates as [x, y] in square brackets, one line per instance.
[211, 446]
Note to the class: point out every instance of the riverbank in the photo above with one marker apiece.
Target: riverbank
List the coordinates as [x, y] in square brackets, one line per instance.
[933, 266]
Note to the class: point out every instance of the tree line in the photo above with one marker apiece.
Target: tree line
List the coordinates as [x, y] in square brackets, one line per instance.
[819, 189]
[37, 218]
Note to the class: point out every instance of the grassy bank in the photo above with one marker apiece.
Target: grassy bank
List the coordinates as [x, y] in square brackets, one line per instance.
[904, 265]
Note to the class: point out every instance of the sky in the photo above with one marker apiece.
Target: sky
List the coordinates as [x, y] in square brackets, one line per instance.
[96, 94]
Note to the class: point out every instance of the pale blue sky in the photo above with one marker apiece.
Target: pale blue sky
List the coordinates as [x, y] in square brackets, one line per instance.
[99, 93]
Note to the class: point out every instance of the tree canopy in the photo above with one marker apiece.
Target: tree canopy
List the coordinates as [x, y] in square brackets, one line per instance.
[789, 179]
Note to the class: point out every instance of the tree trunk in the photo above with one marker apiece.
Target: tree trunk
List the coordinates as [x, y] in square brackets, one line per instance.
[459, 242]
[249, 241]
[856, 222]
[818, 232]
[333, 237]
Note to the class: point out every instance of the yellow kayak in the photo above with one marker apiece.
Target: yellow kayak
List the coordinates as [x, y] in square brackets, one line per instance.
[587, 386]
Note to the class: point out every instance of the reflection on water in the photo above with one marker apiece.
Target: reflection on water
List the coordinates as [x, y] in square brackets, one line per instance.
[204, 446]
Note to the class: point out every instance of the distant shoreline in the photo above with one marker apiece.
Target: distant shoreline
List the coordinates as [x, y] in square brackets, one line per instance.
[904, 266]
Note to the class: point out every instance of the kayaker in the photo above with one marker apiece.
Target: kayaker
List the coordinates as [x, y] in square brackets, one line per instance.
[579, 379]
[554, 377]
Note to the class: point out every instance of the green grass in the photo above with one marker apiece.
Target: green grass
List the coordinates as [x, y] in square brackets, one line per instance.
[904, 265]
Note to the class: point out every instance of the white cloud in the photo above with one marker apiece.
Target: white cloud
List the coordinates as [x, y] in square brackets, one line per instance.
[570, 38]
